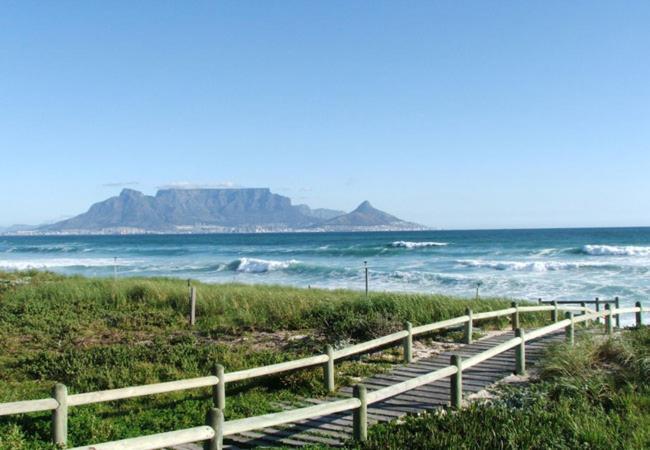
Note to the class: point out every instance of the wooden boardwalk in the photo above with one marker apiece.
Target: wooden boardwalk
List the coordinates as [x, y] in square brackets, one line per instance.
[335, 429]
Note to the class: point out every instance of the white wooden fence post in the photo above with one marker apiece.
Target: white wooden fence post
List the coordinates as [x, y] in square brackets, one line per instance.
[215, 421]
[520, 353]
[408, 343]
[60, 415]
[469, 327]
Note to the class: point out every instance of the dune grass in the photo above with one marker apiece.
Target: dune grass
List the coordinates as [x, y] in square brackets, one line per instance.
[95, 333]
[595, 395]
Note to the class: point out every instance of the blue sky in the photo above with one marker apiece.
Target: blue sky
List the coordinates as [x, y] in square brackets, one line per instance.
[453, 114]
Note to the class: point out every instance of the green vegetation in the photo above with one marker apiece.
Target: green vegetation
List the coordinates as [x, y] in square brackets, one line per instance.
[595, 395]
[94, 334]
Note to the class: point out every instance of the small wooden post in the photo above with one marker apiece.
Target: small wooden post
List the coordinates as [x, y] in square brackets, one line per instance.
[360, 416]
[609, 323]
[469, 329]
[617, 305]
[408, 343]
[597, 309]
[584, 311]
[570, 329]
[639, 314]
[60, 415]
[539, 301]
[520, 353]
[328, 369]
[192, 305]
[219, 390]
[515, 316]
[554, 312]
[215, 421]
[456, 393]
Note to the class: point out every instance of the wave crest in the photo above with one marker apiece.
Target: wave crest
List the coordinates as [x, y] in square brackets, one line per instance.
[255, 265]
[409, 244]
[532, 266]
[615, 250]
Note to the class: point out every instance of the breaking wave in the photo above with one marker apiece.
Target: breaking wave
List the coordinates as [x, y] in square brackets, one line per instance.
[255, 265]
[615, 250]
[409, 244]
[533, 266]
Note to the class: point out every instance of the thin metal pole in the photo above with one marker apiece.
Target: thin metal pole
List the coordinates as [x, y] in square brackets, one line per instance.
[365, 267]
[192, 305]
[639, 315]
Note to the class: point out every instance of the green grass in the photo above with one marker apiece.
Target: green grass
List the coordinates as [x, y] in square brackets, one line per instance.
[93, 333]
[595, 395]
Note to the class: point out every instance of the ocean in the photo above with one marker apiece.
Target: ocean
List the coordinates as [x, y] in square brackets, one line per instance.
[553, 264]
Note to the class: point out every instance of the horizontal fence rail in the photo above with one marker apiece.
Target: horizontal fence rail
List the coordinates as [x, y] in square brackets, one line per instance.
[276, 368]
[61, 400]
[155, 441]
[28, 406]
[139, 391]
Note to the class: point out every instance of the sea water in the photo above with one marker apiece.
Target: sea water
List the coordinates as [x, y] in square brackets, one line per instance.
[554, 264]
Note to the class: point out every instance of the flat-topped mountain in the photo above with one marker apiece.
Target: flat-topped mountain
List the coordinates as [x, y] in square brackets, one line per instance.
[219, 210]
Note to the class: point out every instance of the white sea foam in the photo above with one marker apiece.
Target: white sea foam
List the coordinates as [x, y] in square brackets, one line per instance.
[530, 266]
[59, 263]
[409, 244]
[427, 278]
[254, 265]
[616, 250]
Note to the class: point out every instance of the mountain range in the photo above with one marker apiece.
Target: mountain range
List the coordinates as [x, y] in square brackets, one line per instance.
[218, 210]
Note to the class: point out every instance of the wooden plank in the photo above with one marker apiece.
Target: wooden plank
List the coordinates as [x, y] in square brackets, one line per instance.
[294, 433]
[155, 441]
[369, 345]
[28, 406]
[276, 368]
[379, 413]
[421, 397]
[273, 419]
[139, 391]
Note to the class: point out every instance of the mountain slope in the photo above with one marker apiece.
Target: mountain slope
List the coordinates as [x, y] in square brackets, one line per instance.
[217, 210]
[367, 216]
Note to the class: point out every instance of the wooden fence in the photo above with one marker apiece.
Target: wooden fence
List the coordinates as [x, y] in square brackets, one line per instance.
[213, 432]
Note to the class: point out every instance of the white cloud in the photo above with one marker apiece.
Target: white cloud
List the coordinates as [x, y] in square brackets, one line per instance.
[120, 184]
[195, 185]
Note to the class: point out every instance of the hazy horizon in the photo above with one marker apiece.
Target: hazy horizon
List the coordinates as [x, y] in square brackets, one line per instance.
[455, 115]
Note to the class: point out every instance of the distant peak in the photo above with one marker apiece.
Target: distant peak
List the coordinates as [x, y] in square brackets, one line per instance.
[365, 206]
[130, 193]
